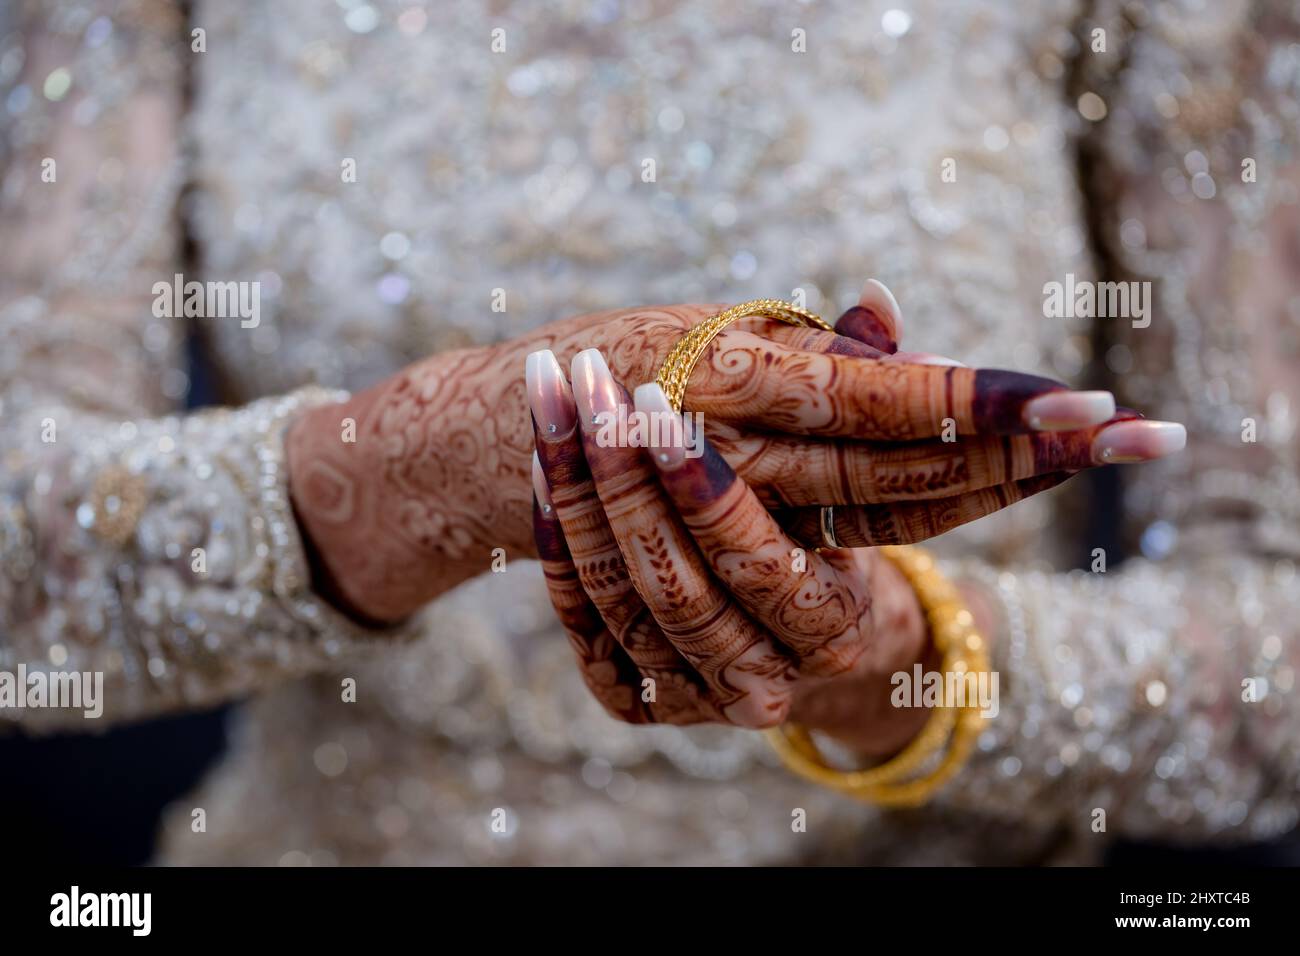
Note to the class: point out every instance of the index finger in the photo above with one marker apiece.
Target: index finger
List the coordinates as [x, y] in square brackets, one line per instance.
[746, 379]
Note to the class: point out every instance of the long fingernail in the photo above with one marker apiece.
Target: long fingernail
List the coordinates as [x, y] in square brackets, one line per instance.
[549, 395]
[1134, 441]
[925, 358]
[542, 489]
[877, 297]
[1064, 410]
[874, 320]
[597, 393]
[666, 440]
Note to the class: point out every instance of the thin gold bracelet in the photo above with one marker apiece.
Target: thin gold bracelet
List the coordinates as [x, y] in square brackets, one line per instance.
[910, 778]
[680, 361]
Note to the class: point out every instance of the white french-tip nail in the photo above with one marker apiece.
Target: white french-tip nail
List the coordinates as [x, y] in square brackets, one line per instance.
[1133, 441]
[876, 295]
[1064, 410]
[549, 395]
[666, 440]
[542, 489]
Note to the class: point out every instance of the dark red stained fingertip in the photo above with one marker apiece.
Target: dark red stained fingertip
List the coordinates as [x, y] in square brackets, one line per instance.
[1000, 397]
[551, 545]
[867, 327]
[701, 480]
[1055, 451]
[604, 462]
[561, 460]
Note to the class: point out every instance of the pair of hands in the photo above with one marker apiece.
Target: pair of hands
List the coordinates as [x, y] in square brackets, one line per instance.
[691, 592]
[414, 485]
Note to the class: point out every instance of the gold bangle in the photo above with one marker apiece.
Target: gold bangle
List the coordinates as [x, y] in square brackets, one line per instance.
[911, 777]
[681, 359]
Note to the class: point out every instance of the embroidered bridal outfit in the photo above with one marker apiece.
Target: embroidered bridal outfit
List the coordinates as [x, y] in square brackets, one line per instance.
[967, 153]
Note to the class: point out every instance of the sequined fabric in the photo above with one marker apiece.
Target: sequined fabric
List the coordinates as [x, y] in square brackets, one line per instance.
[524, 170]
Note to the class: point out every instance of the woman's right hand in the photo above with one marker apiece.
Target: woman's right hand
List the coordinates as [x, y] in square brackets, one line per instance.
[422, 481]
[687, 599]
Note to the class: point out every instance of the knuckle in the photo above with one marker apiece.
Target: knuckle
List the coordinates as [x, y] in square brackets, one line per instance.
[838, 657]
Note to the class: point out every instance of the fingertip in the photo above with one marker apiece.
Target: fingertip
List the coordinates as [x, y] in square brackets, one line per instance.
[549, 537]
[596, 393]
[875, 320]
[542, 489]
[651, 397]
[924, 358]
[663, 429]
[877, 297]
[1001, 397]
[1067, 410]
[588, 362]
[550, 398]
[538, 366]
[693, 472]
[1137, 441]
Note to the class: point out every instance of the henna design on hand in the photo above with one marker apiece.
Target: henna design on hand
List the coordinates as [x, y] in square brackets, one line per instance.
[786, 471]
[869, 526]
[692, 683]
[438, 477]
[813, 612]
[606, 668]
